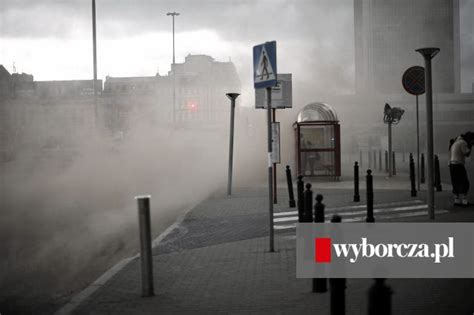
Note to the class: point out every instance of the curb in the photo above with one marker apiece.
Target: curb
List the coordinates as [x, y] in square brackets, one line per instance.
[77, 299]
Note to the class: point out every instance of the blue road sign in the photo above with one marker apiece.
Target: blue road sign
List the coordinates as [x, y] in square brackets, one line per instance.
[265, 65]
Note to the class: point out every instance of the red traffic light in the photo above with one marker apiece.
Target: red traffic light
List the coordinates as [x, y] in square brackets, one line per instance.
[192, 106]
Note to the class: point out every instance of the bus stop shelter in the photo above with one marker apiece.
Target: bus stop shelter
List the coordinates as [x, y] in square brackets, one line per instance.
[318, 141]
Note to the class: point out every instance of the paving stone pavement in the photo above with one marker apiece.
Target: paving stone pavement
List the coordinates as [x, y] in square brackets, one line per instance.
[217, 262]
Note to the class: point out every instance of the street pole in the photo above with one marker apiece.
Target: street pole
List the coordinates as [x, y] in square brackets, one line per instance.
[418, 144]
[389, 149]
[173, 14]
[232, 97]
[270, 164]
[428, 54]
[274, 165]
[94, 57]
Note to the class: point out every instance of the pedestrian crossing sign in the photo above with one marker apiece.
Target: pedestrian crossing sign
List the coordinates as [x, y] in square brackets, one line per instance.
[264, 65]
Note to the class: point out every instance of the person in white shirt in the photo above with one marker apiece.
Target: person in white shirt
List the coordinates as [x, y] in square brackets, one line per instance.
[459, 149]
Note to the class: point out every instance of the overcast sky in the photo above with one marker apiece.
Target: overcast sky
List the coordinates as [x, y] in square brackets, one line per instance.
[51, 39]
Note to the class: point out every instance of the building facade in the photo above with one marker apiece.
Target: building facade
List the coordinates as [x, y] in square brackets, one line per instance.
[59, 114]
[387, 32]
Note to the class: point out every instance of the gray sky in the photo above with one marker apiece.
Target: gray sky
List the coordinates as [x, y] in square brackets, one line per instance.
[52, 39]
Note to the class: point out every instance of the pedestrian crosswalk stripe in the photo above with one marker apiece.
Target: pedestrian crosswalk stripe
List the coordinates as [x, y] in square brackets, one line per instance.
[352, 213]
[400, 203]
[362, 218]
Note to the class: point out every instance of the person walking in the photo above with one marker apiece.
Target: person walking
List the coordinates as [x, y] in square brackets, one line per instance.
[459, 149]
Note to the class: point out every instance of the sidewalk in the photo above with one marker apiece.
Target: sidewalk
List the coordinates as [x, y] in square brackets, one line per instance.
[217, 261]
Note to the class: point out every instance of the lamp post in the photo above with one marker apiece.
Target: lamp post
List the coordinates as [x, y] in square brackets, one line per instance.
[392, 115]
[173, 14]
[428, 54]
[94, 57]
[232, 97]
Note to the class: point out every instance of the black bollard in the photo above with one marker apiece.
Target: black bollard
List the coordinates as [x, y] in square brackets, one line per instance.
[356, 182]
[319, 284]
[300, 195]
[380, 160]
[437, 174]
[394, 169]
[386, 161]
[380, 298]
[337, 286]
[370, 197]
[422, 169]
[289, 181]
[308, 204]
[412, 176]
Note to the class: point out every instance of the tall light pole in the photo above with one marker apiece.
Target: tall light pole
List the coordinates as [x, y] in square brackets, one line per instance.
[428, 54]
[173, 14]
[94, 57]
[232, 97]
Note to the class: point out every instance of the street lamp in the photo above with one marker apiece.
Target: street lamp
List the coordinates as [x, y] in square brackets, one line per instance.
[232, 97]
[392, 116]
[94, 57]
[173, 14]
[428, 54]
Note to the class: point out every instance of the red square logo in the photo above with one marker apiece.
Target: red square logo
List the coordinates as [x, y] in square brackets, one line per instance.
[322, 250]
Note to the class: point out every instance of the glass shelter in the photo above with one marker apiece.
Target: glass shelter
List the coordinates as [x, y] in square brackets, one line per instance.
[318, 141]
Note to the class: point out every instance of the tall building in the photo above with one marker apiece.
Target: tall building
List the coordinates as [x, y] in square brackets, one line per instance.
[387, 32]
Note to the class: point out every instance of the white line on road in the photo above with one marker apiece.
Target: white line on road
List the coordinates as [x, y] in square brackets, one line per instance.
[390, 204]
[362, 218]
[350, 213]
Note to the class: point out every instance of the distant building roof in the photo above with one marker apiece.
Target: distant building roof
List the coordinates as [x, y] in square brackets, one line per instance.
[4, 74]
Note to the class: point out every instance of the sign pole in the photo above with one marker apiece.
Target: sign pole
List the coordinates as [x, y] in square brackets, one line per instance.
[390, 150]
[274, 165]
[418, 144]
[270, 168]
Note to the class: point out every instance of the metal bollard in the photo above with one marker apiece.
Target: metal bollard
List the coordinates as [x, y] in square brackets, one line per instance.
[437, 174]
[300, 195]
[380, 298]
[337, 286]
[412, 176]
[394, 169]
[386, 161]
[319, 284]
[380, 160]
[145, 245]
[308, 204]
[289, 181]
[422, 169]
[356, 182]
[370, 197]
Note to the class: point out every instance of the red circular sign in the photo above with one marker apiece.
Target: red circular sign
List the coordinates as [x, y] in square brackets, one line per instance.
[413, 80]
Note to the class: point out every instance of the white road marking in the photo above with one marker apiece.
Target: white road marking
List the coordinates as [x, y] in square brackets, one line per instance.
[362, 218]
[400, 203]
[351, 213]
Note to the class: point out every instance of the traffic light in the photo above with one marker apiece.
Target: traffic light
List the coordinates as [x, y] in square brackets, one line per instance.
[192, 106]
